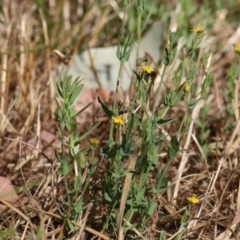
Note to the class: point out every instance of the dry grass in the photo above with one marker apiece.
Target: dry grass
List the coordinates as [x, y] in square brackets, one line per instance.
[28, 36]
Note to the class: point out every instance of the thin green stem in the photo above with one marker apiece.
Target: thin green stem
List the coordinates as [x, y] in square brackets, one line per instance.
[114, 105]
[139, 24]
[184, 118]
[158, 91]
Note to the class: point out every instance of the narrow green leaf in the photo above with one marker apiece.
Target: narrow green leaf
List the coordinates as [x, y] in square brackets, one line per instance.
[57, 156]
[77, 183]
[119, 55]
[89, 131]
[170, 99]
[163, 121]
[57, 88]
[191, 74]
[107, 197]
[151, 209]
[57, 102]
[207, 81]
[79, 112]
[205, 57]
[193, 104]
[105, 108]
[82, 160]
[60, 115]
[75, 95]
[78, 205]
[71, 125]
[65, 167]
[71, 226]
[132, 226]
[140, 194]
[75, 83]
[161, 179]
[163, 235]
[126, 55]
[173, 148]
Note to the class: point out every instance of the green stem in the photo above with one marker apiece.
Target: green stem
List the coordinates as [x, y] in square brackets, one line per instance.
[139, 24]
[158, 91]
[114, 106]
[184, 118]
[108, 216]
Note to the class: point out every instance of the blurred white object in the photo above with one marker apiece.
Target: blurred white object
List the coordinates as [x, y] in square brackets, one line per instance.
[106, 63]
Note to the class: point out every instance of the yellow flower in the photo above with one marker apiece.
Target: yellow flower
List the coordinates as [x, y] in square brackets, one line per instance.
[237, 48]
[118, 120]
[198, 29]
[186, 88]
[94, 141]
[193, 199]
[147, 69]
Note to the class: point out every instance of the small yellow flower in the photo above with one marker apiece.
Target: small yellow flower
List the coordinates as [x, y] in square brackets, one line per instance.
[198, 29]
[94, 141]
[237, 48]
[147, 69]
[193, 199]
[186, 88]
[118, 120]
